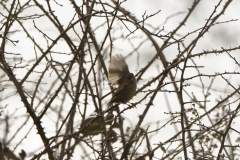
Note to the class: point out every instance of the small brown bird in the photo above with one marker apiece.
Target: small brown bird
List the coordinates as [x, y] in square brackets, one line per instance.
[118, 74]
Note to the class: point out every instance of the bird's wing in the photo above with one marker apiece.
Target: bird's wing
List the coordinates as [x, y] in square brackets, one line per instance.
[117, 69]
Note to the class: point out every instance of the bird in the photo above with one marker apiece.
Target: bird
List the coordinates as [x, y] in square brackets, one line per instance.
[119, 75]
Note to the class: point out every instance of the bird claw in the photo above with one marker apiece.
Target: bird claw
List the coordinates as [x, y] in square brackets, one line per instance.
[131, 105]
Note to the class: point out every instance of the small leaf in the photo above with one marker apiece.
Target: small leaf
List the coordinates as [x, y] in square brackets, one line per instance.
[22, 154]
[163, 149]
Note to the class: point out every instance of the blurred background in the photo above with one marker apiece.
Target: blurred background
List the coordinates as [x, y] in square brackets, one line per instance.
[64, 74]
